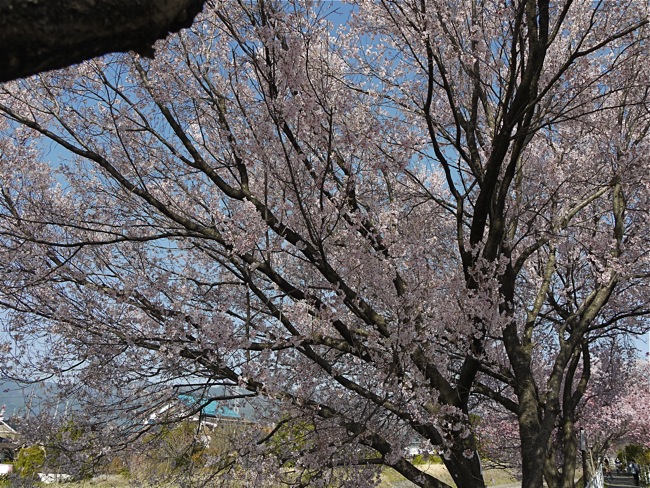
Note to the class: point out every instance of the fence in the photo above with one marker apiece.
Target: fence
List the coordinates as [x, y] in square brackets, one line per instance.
[644, 475]
[597, 481]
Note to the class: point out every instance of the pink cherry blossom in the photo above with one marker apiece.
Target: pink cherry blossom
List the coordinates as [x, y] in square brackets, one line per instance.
[394, 222]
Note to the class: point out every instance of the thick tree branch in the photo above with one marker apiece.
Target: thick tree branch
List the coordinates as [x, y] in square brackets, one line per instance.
[37, 36]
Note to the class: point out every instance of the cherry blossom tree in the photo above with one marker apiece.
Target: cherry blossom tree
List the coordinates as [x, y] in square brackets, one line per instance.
[376, 222]
[615, 410]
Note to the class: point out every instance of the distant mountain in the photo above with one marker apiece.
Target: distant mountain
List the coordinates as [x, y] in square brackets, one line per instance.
[21, 398]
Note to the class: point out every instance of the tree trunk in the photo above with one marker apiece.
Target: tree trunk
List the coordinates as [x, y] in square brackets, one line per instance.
[465, 472]
[533, 454]
[534, 437]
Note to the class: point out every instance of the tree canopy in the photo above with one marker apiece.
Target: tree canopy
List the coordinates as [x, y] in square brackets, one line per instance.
[388, 220]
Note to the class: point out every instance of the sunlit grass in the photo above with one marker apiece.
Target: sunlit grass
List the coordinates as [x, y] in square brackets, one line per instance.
[493, 477]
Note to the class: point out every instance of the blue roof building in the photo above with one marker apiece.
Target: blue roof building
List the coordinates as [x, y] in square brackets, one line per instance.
[212, 409]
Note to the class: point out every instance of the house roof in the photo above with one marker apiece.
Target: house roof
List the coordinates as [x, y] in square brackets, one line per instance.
[6, 430]
[211, 409]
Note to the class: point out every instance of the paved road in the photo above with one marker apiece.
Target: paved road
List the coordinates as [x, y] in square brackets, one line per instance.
[620, 481]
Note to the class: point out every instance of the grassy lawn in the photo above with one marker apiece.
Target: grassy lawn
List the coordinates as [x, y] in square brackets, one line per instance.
[493, 477]
[109, 481]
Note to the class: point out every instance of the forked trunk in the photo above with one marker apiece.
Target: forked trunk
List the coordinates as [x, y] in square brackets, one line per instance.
[465, 472]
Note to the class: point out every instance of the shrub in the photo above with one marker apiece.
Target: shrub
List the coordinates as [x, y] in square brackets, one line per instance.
[426, 458]
[29, 461]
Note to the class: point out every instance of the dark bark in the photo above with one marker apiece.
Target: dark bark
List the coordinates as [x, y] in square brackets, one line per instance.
[40, 35]
[465, 472]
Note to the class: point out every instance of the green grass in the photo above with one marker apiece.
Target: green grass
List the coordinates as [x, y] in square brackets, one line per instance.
[388, 477]
[493, 477]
